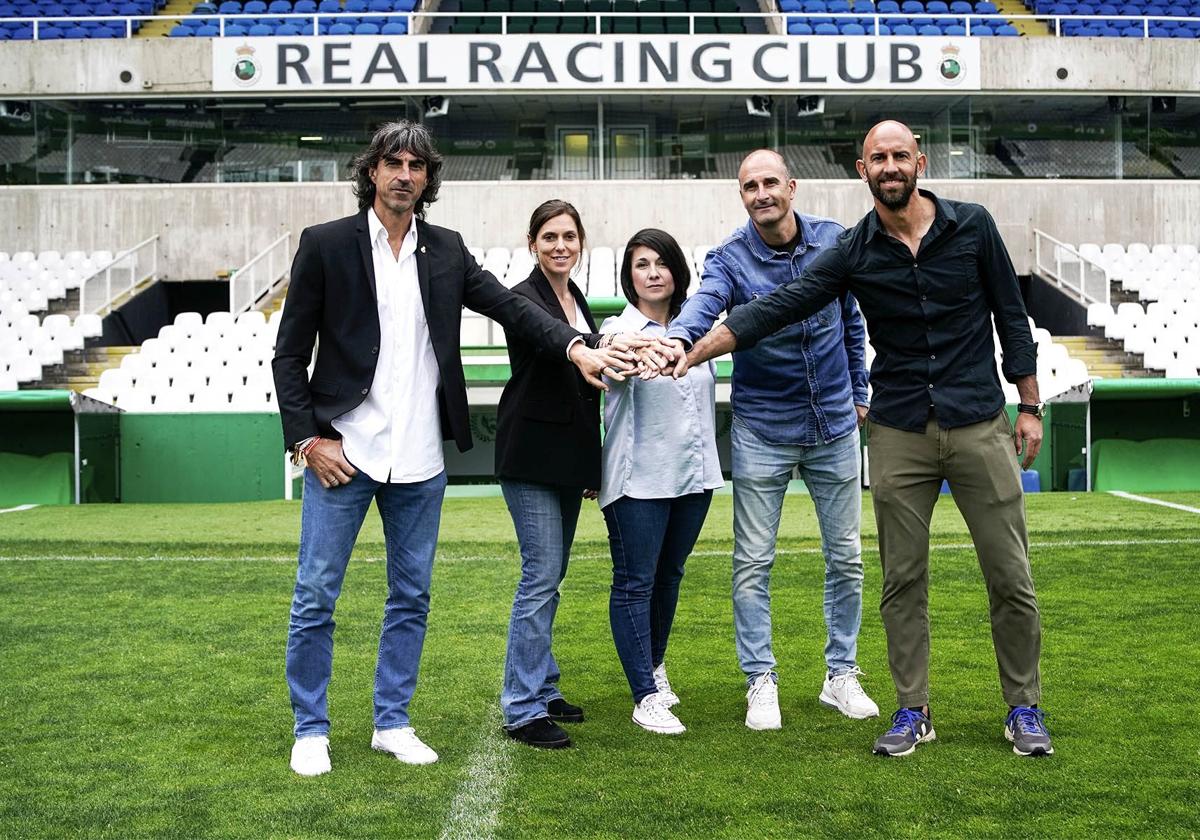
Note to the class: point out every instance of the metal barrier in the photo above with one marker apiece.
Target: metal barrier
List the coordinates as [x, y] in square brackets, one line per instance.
[1083, 277]
[778, 19]
[99, 290]
[253, 280]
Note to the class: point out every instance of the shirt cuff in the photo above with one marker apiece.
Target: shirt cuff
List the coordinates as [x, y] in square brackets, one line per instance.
[572, 343]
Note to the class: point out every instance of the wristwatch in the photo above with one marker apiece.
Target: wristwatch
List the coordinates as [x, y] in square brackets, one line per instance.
[1038, 410]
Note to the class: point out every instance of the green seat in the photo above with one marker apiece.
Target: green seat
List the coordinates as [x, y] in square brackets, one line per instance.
[574, 6]
[546, 25]
[489, 26]
[649, 7]
[547, 6]
[725, 6]
[464, 25]
[731, 26]
[599, 7]
[652, 25]
[625, 6]
[499, 6]
[625, 26]
[699, 6]
[706, 26]
[524, 6]
[521, 25]
[470, 7]
[677, 26]
[577, 26]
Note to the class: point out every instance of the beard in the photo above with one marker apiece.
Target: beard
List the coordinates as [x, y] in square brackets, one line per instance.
[894, 200]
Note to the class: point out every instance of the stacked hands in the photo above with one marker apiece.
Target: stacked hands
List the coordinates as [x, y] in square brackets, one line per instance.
[622, 355]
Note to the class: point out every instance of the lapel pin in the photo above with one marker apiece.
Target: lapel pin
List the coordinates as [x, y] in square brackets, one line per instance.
[422, 249]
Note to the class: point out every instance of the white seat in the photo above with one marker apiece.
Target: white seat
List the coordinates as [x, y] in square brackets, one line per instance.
[135, 364]
[116, 380]
[1073, 372]
[70, 338]
[155, 381]
[189, 381]
[220, 318]
[189, 322]
[134, 401]
[227, 380]
[253, 316]
[211, 400]
[1157, 357]
[26, 369]
[101, 258]
[155, 350]
[172, 401]
[1099, 314]
[90, 325]
[23, 258]
[8, 381]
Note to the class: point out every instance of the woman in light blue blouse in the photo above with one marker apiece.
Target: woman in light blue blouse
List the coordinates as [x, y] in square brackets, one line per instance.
[659, 470]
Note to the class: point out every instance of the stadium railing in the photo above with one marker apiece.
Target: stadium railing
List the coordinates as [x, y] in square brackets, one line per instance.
[1071, 270]
[257, 277]
[299, 24]
[97, 291]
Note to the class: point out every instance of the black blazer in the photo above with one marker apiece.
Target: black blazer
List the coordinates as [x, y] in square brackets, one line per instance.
[332, 297]
[548, 420]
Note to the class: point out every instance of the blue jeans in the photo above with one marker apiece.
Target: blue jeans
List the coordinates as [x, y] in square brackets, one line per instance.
[650, 540]
[544, 518]
[761, 472]
[329, 524]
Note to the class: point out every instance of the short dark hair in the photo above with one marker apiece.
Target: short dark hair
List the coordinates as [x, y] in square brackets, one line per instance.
[666, 247]
[552, 209]
[389, 141]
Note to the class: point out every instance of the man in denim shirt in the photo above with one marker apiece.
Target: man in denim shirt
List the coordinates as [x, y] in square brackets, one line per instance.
[798, 400]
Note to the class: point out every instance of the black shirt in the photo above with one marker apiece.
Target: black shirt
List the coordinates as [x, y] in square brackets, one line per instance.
[929, 316]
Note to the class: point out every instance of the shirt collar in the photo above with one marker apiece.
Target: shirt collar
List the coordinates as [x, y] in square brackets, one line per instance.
[944, 214]
[631, 318]
[766, 252]
[375, 228]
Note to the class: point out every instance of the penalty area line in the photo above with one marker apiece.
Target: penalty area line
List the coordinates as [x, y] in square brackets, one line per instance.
[1121, 494]
[18, 508]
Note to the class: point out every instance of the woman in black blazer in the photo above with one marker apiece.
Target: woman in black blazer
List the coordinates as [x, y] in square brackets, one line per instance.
[547, 460]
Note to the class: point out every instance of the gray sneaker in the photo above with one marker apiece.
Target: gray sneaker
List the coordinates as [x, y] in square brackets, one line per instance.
[1026, 729]
[909, 728]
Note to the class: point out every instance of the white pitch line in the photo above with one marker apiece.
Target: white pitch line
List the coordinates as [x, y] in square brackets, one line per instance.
[1173, 505]
[18, 508]
[470, 558]
[475, 811]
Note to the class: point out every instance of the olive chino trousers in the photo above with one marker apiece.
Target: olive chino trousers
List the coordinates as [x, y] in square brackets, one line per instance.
[979, 462]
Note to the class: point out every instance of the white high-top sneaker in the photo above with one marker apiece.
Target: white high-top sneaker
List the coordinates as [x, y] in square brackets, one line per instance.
[310, 756]
[669, 697]
[762, 704]
[844, 693]
[653, 715]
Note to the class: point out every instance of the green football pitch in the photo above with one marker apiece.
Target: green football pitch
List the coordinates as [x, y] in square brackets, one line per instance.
[143, 693]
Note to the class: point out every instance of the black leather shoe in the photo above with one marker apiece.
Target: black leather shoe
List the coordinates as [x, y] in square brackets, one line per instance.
[563, 712]
[543, 733]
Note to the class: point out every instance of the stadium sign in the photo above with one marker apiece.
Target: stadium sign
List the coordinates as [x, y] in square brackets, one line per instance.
[578, 63]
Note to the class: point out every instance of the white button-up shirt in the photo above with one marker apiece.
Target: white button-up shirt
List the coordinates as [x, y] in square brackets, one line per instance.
[394, 435]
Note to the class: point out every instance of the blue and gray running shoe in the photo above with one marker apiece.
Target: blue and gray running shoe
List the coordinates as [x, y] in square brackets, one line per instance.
[909, 728]
[1026, 729]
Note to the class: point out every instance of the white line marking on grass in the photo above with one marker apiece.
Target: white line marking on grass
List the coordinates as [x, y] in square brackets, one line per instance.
[475, 811]
[1173, 505]
[18, 508]
[469, 558]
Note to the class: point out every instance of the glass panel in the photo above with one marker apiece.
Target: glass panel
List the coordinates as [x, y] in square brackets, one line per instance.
[18, 142]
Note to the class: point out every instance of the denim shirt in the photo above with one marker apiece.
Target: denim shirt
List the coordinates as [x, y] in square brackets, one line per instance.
[800, 385]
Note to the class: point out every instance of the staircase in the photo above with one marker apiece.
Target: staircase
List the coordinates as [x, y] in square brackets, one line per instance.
[81, 369]
[1104, 357]
[166, 19]
[1025, 27]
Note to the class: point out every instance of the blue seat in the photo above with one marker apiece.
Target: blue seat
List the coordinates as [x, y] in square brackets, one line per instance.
[1008, 30]
[919, 22]
[825, 29]
[936, 7]
[838, 7]
[288, 29]
[981, 30]
[912, 7]
[405, 5]
[340, 28]
[985, 7]
[961, 7]
[395, 27]
[255, 7]
[234, 30]
[379, 5]
[261, 30]
[863, 7]
[799, 27]
[279, 7]
[25, 33]
[1159, 32]
[853, 29]
[1131, 32]
[1183, 32]
[790, 5]
[887, 7]
[330, 6]
[356, 6]
[955, 29]
[884, 29]
[77, 33]
[814, 6]
[930, 31]
[230, 7]
[366, 29]
[903, 29]
[207, 31]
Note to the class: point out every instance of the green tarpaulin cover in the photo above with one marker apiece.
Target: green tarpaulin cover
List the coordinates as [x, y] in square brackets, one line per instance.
[1149, 465]
[1138, 388]
[36, 480]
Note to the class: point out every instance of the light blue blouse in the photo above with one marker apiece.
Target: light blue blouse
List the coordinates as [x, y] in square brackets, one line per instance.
[659, 435]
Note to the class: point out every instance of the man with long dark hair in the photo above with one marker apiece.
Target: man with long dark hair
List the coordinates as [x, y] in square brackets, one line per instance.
[383, 291]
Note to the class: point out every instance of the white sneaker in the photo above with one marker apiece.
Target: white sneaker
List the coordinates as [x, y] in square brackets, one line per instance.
[668, 697]
[843, 692]
[653, 715]
[762, 704]
[310, 756]
[404, 744]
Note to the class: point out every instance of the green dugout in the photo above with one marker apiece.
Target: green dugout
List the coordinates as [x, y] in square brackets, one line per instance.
[57, 448]
[1144, 435]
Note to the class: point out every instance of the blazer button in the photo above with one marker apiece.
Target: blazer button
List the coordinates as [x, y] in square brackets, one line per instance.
[374, 350]
[364, 392]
